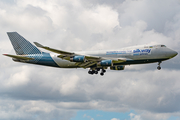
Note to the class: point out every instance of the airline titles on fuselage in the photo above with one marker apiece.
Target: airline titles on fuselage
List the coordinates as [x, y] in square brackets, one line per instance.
[134, 52]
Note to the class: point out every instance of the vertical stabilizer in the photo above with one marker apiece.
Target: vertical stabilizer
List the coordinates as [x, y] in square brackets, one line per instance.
[21, 45]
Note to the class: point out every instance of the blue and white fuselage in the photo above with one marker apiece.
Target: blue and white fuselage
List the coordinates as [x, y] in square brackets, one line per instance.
[95, 60]
[133, 55]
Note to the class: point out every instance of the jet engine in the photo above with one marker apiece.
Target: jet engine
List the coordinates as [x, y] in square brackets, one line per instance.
[117, 67]
[77, 59]
[105, 63]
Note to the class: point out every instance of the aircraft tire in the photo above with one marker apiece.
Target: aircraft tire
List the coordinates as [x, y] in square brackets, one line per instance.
[159, 68]
[90, 72]
[101, 74]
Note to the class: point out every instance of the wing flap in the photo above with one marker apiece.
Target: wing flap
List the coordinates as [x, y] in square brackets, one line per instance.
[98, 59]
[118, 60]
[89, 65]
[93, 58]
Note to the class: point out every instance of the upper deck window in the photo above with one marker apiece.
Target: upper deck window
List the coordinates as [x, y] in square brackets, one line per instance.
[150, 46]
[163, 46]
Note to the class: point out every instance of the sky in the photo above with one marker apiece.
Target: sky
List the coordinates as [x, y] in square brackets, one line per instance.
[140, 92]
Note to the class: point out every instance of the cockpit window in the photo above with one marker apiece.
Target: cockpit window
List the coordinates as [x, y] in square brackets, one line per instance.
[163, 46]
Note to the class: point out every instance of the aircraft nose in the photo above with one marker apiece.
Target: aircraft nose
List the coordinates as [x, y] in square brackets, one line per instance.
[173, 53]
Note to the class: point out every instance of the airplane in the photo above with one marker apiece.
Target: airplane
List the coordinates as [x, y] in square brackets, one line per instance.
[94, 60]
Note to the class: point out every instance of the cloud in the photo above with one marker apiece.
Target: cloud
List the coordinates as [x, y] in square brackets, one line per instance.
[36, 92]
[134, 117]
[115, 119]
[20, 109]
[89, 117]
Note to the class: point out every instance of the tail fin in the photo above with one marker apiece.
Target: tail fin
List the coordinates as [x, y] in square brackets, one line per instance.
[21, 45]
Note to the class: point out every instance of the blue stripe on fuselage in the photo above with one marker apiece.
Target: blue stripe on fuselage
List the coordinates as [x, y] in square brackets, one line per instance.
[47, 60]
[42, 59]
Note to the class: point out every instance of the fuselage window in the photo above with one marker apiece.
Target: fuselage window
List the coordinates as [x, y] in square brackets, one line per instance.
[156, 46]
[145, 46]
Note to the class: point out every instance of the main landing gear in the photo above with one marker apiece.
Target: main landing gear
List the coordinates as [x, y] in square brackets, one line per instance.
[93, 71]
[159, 67]
[102, 72]
[96, 71]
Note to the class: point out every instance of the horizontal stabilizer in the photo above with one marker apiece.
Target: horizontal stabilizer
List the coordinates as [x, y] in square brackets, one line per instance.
[20, 57]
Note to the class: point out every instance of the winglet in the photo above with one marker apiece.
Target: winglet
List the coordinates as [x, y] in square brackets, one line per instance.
[38, 45]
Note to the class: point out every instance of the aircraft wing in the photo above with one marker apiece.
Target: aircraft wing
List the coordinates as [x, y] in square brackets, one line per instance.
[97, 59]
[20, 57]
[89, 60]
[94, 60]
[53, 50]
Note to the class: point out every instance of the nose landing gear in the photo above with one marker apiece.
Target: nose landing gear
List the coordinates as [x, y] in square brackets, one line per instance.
[159, 67]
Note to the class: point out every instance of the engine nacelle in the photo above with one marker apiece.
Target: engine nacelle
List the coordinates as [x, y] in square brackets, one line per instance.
[105, 63]
[117, 67]
[77, 59]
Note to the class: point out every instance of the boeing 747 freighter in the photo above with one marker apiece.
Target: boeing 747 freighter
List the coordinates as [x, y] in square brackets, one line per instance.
[94, 60]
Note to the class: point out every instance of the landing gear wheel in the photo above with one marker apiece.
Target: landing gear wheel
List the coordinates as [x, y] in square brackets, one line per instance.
[90, 72]
[103, 70]
[93, 71]
[102, 74]
[158, 67]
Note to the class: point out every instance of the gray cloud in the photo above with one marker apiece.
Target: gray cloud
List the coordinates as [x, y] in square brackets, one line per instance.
[36, 92]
